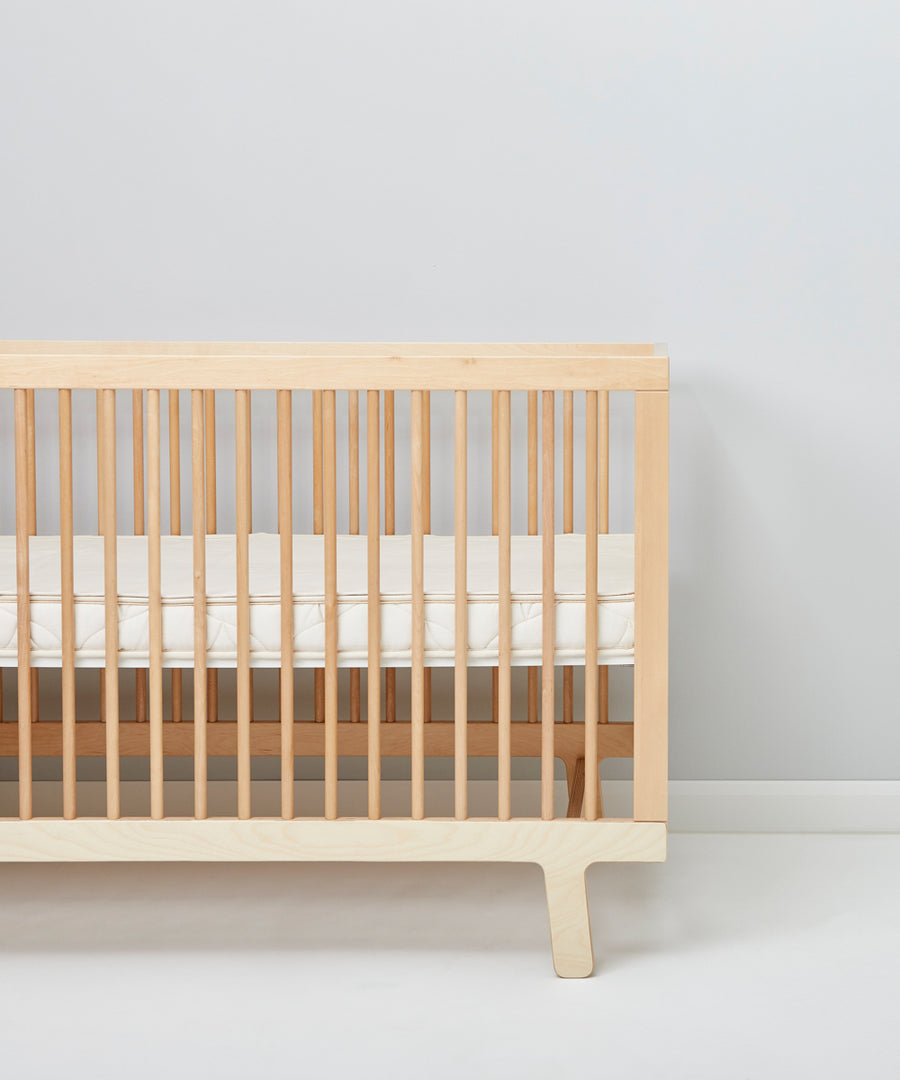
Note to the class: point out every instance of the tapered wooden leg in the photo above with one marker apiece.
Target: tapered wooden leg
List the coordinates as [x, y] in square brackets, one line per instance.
[575, 784]
[570, 924]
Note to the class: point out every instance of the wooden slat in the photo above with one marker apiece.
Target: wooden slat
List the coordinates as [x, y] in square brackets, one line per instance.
[318, 513]
[242, 504]
[495, 400]
[198, 530]
[209, 428]
[353, 456]
[504, 757]
[373, 549]
[603, 527]
[651, 605]
[100, 489]
[32, 525]
[137, 487]
[426, 510]
[331, 627]
[532, 528]
[336, 367]
[67, 605]
[23, 606]
[591, 761]
[548, 598]
[417, 652]
[154, 578]
[568, 527]
[175, 525]
[390, 675]
[111, 605]
[286, 535]
[461, 610]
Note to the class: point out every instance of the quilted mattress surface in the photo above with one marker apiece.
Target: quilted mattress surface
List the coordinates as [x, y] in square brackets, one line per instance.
[615, 610]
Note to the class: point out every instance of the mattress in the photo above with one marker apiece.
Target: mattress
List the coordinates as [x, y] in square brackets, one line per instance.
[615, 615]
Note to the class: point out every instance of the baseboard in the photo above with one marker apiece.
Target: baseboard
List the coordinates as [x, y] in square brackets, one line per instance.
[752, 806]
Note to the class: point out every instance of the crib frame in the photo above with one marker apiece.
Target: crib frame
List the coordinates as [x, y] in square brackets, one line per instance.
[563, 847]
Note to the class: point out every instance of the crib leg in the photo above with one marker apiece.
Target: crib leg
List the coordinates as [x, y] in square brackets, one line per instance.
[575, 784]
[570, 924]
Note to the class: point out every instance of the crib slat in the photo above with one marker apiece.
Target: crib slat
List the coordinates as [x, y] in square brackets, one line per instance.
[353, 438]
[286, 534]
[154, 571]
[390, 675]
[137, 485]
[495, 464]
[426, 510]
[603, 527]
[209, 428]
[568, 527]
[23, 605]
[175, 524]
[198, 529]
[373, 529]
[331, 628]
[242, 504]
[532, 528]
[591, 762]
[504, 734]
[417, 656]
[461, 612]
[32, 526]
[547, 603]
[100, 489]
[67, 597]
[318, 509]
[110, 597]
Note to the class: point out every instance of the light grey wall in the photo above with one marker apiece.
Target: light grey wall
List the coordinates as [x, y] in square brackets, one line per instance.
[723, 177]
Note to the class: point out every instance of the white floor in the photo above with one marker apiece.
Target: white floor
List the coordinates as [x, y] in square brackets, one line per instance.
[744, 956]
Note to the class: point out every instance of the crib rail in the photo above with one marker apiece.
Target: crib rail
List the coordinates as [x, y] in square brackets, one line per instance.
[581, 378]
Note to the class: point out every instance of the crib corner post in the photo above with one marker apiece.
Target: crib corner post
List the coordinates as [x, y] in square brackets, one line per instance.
[570, 921]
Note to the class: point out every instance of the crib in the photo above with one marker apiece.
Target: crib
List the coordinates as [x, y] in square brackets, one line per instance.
[161, 643]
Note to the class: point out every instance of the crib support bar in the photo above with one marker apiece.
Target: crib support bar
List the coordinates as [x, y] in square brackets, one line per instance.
[417, 657]
[548, 596]
[23, 606]
[461, 612]
[198, 527]
[242, 541]
[373, 528]
[285, 532]
[154, 571]
[331, 627]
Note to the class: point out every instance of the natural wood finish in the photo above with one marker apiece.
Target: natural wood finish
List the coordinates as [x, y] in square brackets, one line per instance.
[126, 365]
[31, 457]
[137, 487]
[100, 488]
[590, 606]
[575, 785]
[417, 572]
[331, 606]
[568, 527]
[209, 429]
[651, 605]
[603, 527]
[154, 577]
[548, 599]
[533, 692]
[504, 698]
[570, 925]
[426, 511]
[318, 515]
[111, 605]
[286, 536]
[353, 456]
[175, 525]
[615, 740]
[23, 607]
[198, 530]
[373, 551]
[390, 675]
[67, 603]
[495, 513]
[242, 540]
[461, 610]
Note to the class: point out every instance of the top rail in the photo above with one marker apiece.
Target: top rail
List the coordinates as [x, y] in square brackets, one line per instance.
[331, 366]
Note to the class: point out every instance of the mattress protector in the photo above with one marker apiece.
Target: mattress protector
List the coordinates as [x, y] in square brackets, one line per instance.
[615, 617]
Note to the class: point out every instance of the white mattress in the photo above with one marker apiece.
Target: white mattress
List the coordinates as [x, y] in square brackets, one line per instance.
[615, 611]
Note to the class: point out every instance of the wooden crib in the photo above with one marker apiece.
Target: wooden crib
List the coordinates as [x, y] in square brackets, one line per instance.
[349, 607]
